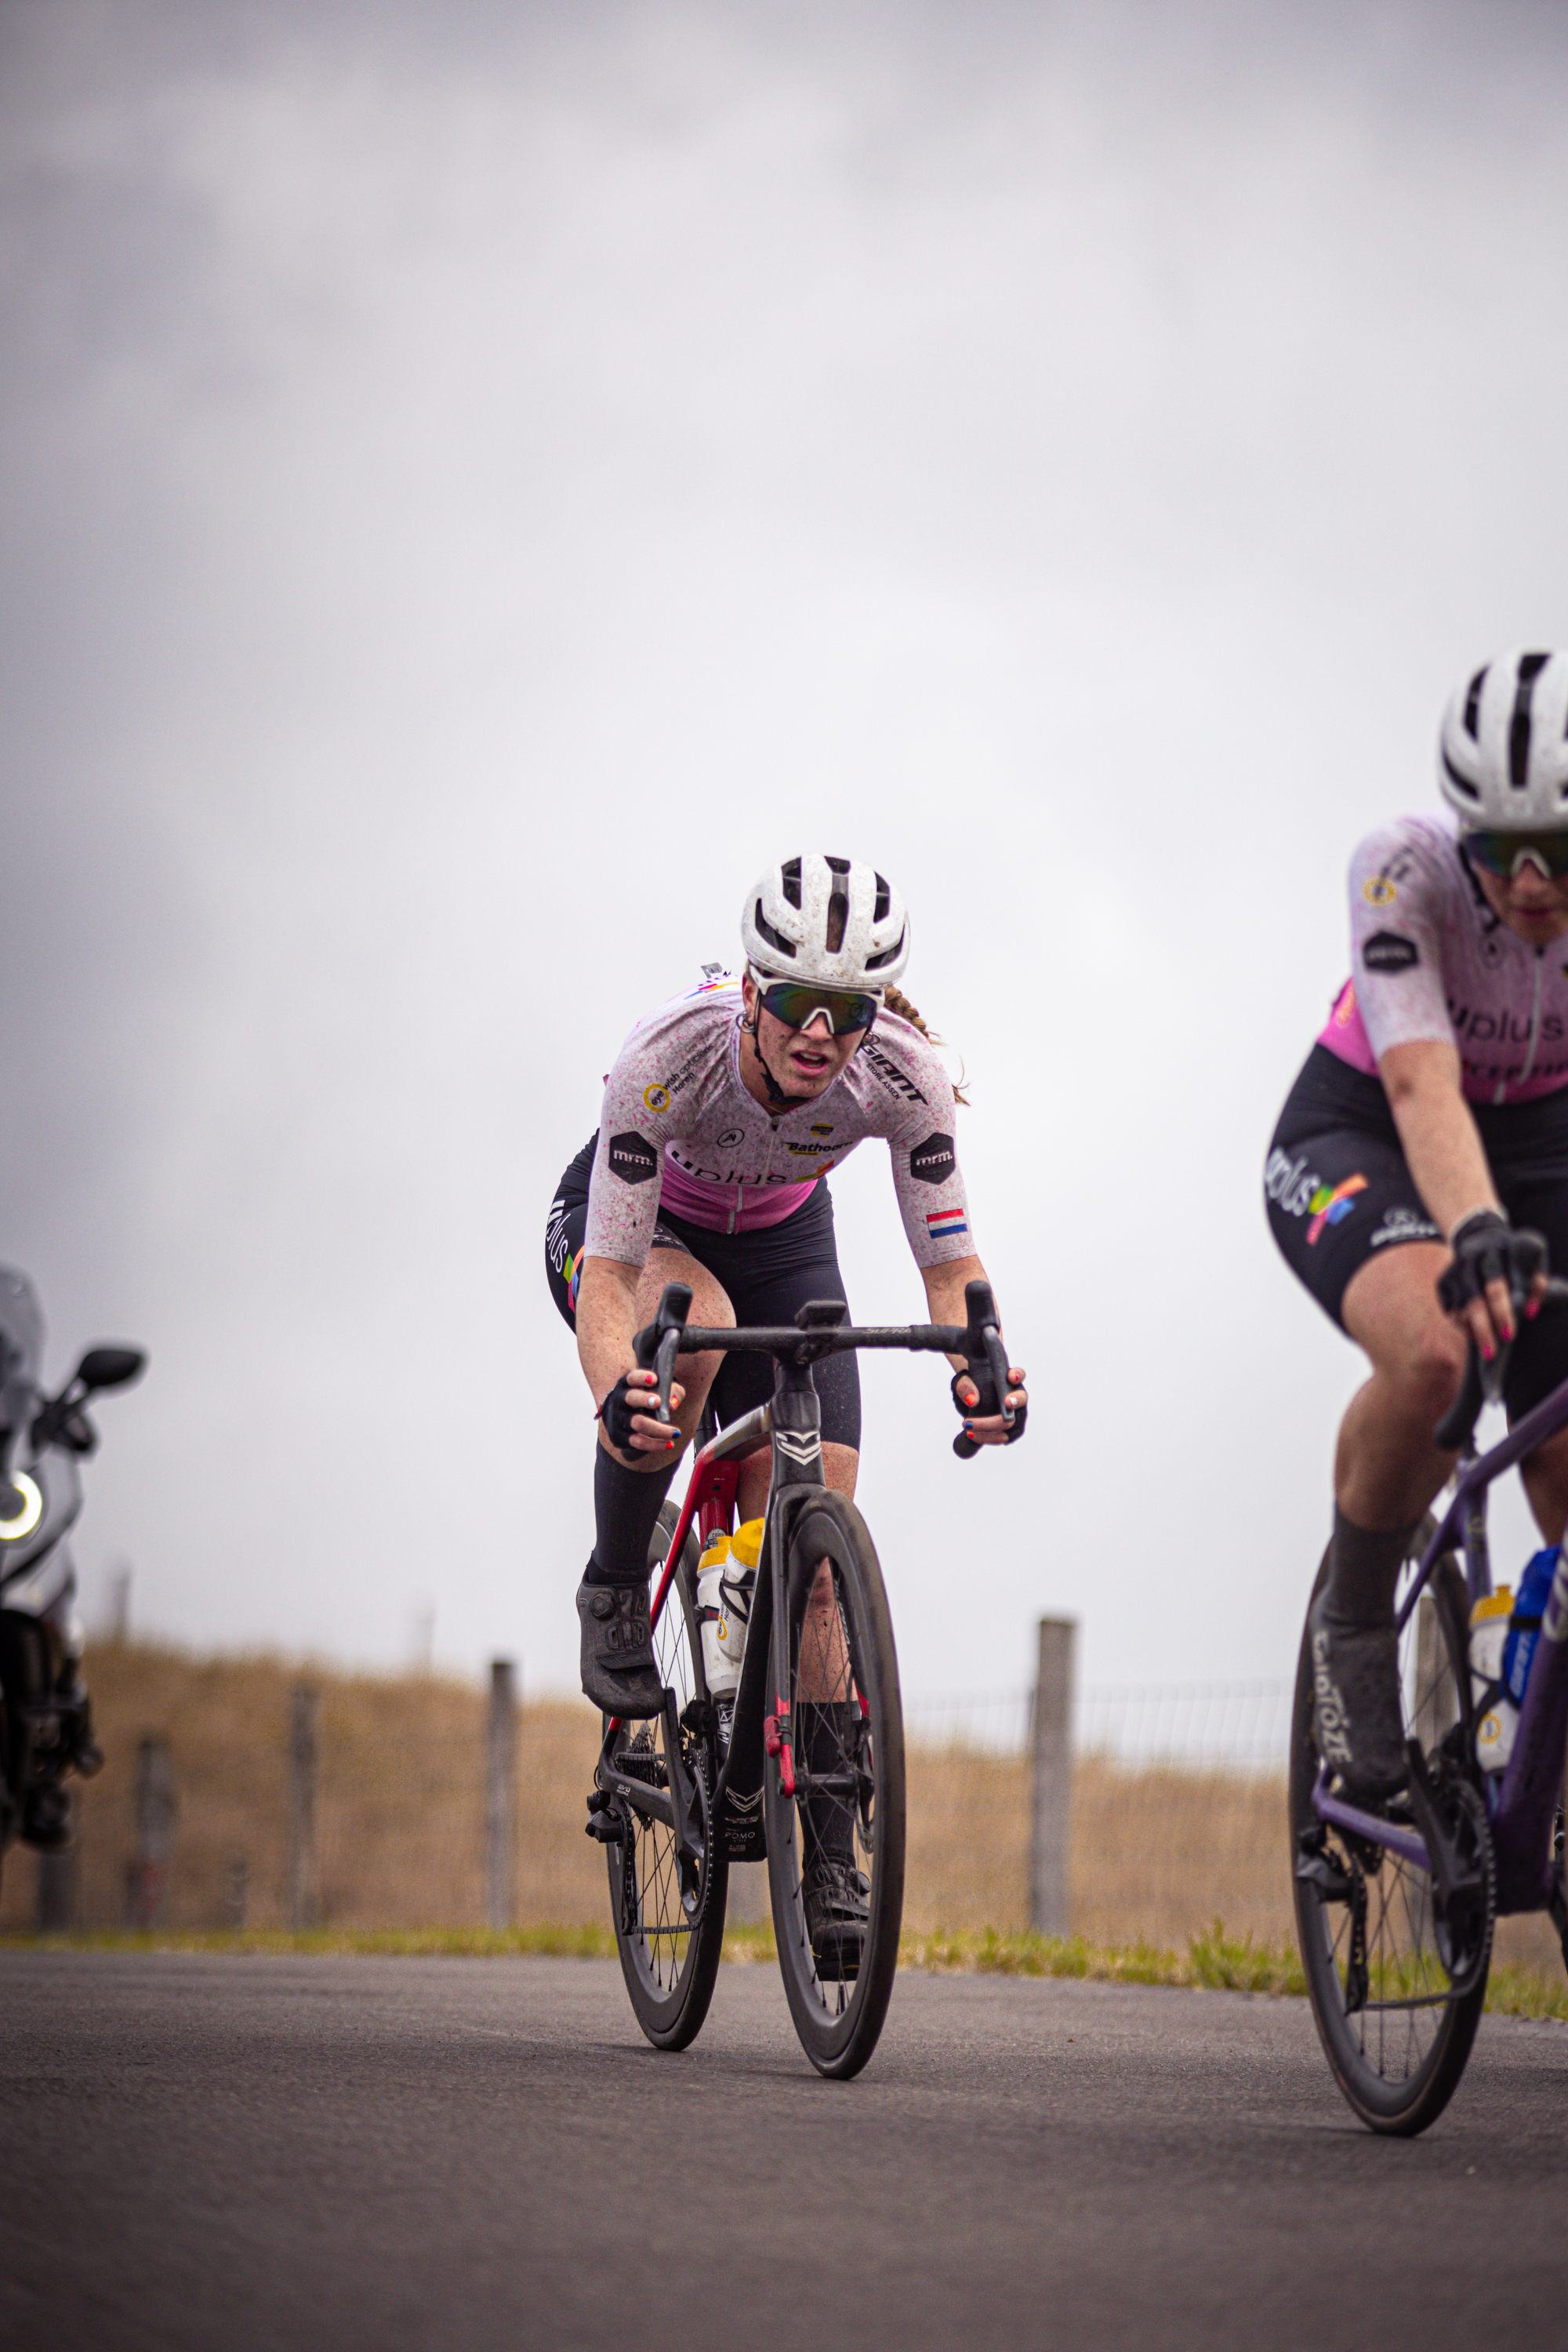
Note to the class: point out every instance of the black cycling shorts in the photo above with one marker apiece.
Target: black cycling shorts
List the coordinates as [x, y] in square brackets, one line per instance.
[1338, 1192]
[765, 1273]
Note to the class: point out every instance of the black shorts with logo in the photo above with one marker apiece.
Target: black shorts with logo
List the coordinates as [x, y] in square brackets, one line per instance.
[766, 1273]
[1338, 1192]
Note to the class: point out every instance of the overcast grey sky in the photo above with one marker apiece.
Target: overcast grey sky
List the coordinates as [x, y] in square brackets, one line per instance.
[478, 481]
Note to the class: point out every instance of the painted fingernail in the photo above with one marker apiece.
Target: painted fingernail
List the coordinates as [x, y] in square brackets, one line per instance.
[1488, 1353]
[1532, 1310]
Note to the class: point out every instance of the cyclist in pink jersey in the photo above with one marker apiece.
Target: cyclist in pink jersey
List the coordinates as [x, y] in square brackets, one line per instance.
[1417, 1180]
[724, 1113]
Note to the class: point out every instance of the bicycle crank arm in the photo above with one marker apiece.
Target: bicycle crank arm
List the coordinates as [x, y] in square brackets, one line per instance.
[1406, 1843]
[674, 1805]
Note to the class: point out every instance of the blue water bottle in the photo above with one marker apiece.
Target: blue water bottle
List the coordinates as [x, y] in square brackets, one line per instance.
[1524, 1621]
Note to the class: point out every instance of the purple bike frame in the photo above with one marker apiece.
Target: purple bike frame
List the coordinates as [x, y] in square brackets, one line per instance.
[1523, 1803]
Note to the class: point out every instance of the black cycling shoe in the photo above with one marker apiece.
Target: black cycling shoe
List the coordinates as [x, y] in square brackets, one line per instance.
[838, 1916]
[618, 1672]
[1356, 1714]
[46, 1818]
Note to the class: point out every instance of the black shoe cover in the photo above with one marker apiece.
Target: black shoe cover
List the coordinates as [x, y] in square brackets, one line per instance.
[838, 1916]
[46, 1818]
[1356, 1711]
[618, 1672]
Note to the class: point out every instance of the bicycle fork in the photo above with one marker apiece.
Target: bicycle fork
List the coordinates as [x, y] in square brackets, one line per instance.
[797, 1463]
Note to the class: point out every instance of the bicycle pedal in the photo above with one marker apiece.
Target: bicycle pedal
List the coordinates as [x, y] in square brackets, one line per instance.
[603, 1821]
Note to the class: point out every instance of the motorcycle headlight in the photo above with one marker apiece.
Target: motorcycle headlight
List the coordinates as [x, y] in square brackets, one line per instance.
[23, 1521]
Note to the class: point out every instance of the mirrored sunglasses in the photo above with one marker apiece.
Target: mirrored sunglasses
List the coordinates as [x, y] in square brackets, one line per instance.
[1503, 854]
[797, 1001]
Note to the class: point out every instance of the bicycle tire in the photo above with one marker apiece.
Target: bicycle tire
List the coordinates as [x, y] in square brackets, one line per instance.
[1397, 2040]
[670, 1939]
[839, 2012]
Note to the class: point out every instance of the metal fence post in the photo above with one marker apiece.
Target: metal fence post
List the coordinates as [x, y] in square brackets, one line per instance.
[501, 1793]
[304, 1746]
[157, 1806]
[1051, 1780]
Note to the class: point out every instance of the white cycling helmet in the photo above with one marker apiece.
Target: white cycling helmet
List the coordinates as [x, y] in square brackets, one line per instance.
[834, 921]
[1502, 755]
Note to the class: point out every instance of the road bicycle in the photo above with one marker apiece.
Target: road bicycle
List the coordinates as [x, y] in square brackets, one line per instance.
[1395, 1910]
[810, 1767]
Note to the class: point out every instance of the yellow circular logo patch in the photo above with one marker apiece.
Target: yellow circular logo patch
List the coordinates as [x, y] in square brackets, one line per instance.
[1379, 891]
[656, 1098]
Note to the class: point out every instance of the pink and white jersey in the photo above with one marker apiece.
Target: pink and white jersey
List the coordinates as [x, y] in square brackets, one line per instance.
[679, 1125]
[1430, 959]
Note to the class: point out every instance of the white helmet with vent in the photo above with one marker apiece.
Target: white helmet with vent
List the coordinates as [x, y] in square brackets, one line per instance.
[1502, 755]
[832, 921]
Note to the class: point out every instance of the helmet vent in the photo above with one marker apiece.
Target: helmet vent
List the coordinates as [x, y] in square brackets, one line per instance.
[1460, 782]
[1473, 707]
[775, 940]
[879, 911]
[837, 913]
[890, 955]
[789, 876]
[1529, 668]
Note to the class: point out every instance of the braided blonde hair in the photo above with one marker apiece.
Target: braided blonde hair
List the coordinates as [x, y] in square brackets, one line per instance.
[897, 1002]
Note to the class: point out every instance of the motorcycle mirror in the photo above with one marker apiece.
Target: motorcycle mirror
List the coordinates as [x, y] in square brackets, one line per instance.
[110, 1368]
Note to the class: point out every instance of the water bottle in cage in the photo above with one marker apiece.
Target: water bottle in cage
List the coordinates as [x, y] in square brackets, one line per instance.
[1524, 1625]
[1497, 1716]
[726, 1579]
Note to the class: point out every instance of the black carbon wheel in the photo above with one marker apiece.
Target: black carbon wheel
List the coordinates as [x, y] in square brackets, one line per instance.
[669, 1934]
[849, 1805]
[1396, 1990]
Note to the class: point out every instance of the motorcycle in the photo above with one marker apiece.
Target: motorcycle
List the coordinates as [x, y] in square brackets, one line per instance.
[45, 1717]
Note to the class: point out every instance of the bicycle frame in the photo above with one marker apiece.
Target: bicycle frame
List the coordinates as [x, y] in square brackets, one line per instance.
[792, 1422]
[1522, 1807]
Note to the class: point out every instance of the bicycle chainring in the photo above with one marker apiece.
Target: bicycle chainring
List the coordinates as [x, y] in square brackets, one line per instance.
[1464, 1912]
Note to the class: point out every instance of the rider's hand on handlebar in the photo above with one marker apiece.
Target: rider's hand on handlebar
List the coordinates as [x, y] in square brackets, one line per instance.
[633, 1432]
[975, 1397]
[1497, 1270]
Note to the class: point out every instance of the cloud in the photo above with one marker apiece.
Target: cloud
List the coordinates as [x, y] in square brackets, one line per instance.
[475, 486]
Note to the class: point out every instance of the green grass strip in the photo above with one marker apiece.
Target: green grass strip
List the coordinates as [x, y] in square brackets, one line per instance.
[1213, 1961]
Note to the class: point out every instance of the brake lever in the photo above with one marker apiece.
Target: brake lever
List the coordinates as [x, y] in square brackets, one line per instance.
[982, 1346]
[658, 1344]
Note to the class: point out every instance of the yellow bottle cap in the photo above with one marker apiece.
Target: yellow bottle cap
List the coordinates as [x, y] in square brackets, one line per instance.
[715, 1550]
[1496, 1604]
[747, 1546]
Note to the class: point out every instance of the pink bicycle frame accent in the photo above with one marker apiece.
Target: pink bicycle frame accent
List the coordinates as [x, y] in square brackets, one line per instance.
[711, 1491]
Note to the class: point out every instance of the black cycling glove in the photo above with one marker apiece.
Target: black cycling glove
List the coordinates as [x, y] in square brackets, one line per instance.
[987, 1402]
[1486, 1248]
[617, 1412]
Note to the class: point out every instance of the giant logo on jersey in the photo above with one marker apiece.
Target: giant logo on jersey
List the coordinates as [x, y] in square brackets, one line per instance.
[933, 1162]
[633, 1159]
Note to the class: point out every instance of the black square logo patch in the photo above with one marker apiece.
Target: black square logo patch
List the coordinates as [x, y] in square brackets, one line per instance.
[933, 1162]
[633, 1159]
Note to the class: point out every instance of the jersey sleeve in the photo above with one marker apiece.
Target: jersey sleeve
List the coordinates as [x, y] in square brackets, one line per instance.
[923, 1138]
[628, 1166]
[1395, 895]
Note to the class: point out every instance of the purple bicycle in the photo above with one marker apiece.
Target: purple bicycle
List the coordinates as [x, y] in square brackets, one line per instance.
[1395, 1910]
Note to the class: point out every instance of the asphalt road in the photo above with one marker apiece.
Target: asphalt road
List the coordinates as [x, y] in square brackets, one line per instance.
[301, 2153]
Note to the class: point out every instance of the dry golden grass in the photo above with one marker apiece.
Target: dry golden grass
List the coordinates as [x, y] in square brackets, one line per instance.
[1157, 1855]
